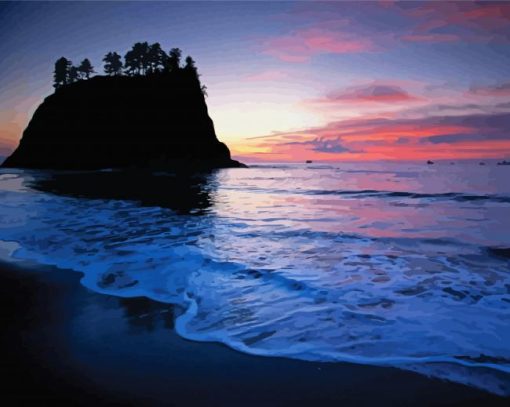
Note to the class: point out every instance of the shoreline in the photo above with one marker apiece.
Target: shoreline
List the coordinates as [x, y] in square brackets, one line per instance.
[66, 343]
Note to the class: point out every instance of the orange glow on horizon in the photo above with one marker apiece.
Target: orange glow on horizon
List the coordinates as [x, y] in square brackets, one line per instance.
[495, 149]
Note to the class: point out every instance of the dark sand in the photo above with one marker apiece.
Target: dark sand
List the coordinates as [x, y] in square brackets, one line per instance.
[63, 344]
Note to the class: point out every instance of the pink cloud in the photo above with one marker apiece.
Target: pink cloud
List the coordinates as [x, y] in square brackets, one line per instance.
[266, 76]
[432, 37]
[301, 45]
[483, 15]
[462, 12]
[465, 136]
[476, 21]
[376, 92]
[387, 3]
[502, 89]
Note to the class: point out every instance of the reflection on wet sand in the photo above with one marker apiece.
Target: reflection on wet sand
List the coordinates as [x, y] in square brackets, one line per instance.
[143, 314]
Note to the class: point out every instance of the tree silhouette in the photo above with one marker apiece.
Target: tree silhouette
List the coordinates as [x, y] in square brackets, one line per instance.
[131, 65]
[74, 75]
[142, 59]
[61, 73]
[174, 60]
[190, 66]
[137, 59]
[113, 64]
[191, 70]
[85, 68]
[143, 50]
[157, 57]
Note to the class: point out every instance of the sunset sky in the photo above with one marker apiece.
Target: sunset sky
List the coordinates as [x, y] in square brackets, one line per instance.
[289, 81]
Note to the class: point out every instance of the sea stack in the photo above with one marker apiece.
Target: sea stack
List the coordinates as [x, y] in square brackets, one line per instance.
[152, 121]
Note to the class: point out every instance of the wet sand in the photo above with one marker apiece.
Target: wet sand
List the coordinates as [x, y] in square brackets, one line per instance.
[62, 343]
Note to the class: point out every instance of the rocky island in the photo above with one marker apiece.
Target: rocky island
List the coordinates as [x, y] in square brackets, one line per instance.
[149, 112]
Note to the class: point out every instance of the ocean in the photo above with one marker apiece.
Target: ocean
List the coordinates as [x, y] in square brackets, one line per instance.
[392, 264]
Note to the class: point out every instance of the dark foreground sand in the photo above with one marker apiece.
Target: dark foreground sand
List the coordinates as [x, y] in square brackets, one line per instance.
[63, 344]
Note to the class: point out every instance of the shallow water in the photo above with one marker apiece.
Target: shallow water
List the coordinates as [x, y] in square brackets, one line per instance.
[393, 264]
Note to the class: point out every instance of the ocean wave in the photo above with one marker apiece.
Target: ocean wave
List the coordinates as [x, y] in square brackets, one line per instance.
[459, 197]
[372, 193]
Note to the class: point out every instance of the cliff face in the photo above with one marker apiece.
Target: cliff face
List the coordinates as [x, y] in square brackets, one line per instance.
[117, 122]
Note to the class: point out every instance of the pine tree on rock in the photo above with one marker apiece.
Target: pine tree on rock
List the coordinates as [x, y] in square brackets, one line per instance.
[74, 75]
[157, 58]
[113, 64]
[136, 60]
[61, 73]
[85, 69]
[174, 60]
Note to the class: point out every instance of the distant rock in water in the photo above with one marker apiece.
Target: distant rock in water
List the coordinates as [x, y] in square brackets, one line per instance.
[430, 162]
[155, 121]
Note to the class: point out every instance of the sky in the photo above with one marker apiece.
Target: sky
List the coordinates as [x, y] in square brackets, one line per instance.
[296, 80]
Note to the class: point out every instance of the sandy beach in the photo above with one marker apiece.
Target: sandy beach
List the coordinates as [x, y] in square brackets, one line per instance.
[66, 344]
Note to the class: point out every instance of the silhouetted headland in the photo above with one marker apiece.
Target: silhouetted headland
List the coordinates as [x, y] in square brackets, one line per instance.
[152, 115]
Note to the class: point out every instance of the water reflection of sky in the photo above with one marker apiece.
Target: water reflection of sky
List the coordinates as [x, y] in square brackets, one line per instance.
[443, 202]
